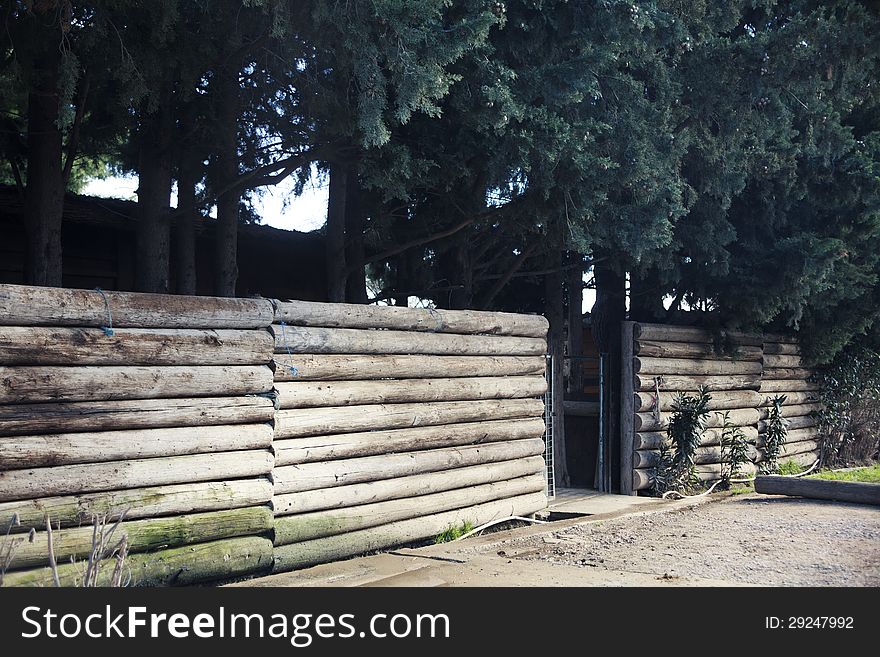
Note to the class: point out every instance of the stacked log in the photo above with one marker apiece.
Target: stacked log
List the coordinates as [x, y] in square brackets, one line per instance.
[675, 359]
[785, 374]
[151, 413]
[395, 423]
[742, 380]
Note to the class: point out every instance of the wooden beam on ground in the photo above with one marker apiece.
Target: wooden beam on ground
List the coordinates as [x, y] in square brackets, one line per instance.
[819, 489]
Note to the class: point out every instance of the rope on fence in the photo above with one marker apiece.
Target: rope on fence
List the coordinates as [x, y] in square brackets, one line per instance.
[108, 329]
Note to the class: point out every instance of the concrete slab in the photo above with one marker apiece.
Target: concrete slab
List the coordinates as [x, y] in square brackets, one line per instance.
[588, 502]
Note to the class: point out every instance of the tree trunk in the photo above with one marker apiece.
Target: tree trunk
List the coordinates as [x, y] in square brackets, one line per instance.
[44, 196]
[608, 313]
[184, 225]
[458, 270]
[336, 268]
[356, 283]
[154, 199]
[226, 239]
[575, 286]
[645, 299]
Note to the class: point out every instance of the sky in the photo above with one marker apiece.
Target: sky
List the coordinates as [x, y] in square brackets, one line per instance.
[277, 206]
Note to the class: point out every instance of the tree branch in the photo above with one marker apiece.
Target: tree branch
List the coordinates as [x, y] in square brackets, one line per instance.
[517, 263]
[73, 142]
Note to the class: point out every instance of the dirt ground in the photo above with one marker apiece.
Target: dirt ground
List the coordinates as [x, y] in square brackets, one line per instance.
[748, 539]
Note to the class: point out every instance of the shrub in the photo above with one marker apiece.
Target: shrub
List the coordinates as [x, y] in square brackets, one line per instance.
[675, 468]
[775, 435]
[849, 423]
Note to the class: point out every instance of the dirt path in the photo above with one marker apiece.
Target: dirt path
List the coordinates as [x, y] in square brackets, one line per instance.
[749, 539]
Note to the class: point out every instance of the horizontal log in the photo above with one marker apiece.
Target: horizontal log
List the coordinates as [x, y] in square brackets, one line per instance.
[20, 419]
[62, 449]
[737, 417]
[665, 366]
[181, 566]
[799, 422]
[370, 443]
[782, 360]
[306, 340]
[309, 394]
[704, 455]
[581, 408]
[33, 345]
[338, 419]
[785, 386]
[412, 486]
[720, 400]
[792, 398]
[115, 475]
[331, 548]
[781, 348]
[819, 489]
[327, 474]
[698, 350]
[682, 382]
[792, 410]
[307, 526]
[354, 367]
[642, 478]
[798, 373]
[22, 305]
[142, 535]
[670, 333]
[795, 435]
[712, 472]
[136, 503]
[780, 338]
[652, 439]
[20, 385]
[792, 449]
[340, 315]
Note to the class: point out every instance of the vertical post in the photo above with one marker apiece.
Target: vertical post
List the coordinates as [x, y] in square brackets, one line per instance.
[627, 398]
[602, 483]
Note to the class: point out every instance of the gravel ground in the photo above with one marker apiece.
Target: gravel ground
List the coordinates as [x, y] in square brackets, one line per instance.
[748, 539]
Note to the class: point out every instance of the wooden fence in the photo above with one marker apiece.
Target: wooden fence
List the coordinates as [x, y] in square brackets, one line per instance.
[659, 361]
[212, 432]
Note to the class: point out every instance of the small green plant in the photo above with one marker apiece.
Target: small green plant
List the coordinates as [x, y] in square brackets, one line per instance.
[775, 435]
[734, 449]
[789, 468]
[868, 475]
[452, 532]
[676, 465]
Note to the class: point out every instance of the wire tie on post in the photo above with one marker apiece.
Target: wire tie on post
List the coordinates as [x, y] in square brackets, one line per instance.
[108, 330]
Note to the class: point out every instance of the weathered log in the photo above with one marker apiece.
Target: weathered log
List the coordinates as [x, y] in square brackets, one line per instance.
[666, 366]
[786, 386]
[22, 305]
[698, 350]
[792, 398]
[370, 443]
[737, 417]
[626, 410]
[795, 435]
[339, 315]
[682, 382]
[136, 503]
[781, 348]
[791, 449]
[669, 333]
[338, 419]
[191, 564]
[327, 474]
[782, 360]
[115, 475]
[649, 458]
[19, 452]
[712, 472]
[790, 411]
[307, 340]
[722, 400]
[652, 439]
[21, 419]
[20, 385]
[780, 338]
[331, 548]
[819, 489]
[797, 373]
[33, 345]
[799, 422]
[307, 526]
[309, 394]
[412, 486]
[142, 535]
[354, 367]
[641, 478]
